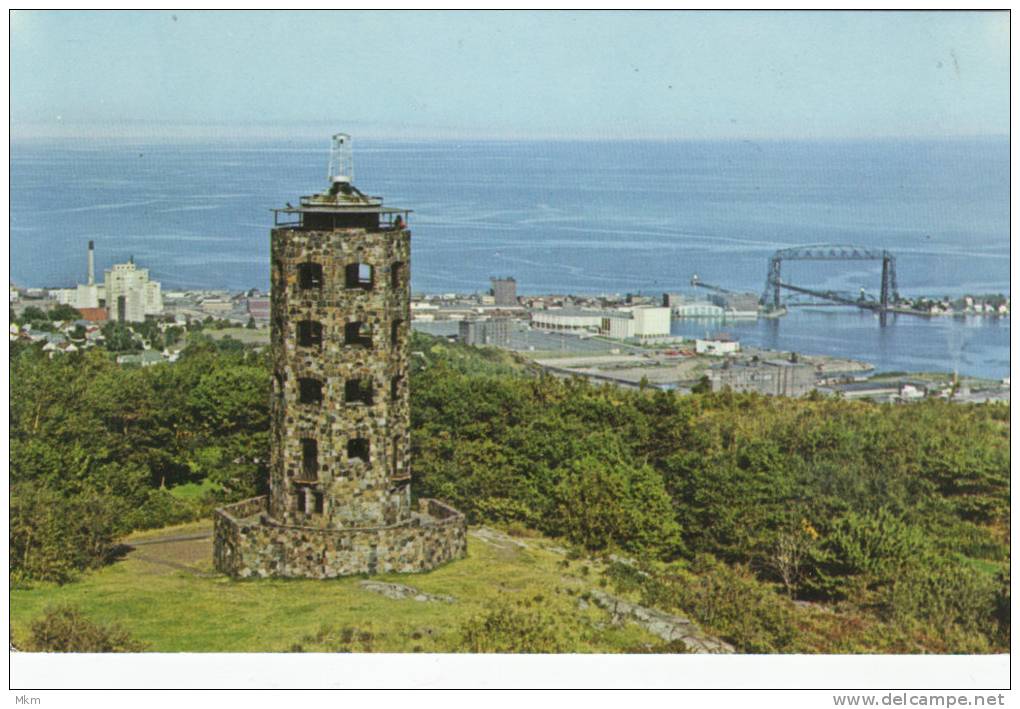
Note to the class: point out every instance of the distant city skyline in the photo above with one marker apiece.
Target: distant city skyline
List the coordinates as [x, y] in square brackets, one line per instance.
[528, 74]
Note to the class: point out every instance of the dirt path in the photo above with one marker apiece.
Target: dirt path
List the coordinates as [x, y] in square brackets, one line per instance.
[190, 552]
[168, 540]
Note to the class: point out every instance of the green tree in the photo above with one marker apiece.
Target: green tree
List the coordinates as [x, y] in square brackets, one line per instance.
[32, 313]
[120, 338]
[231, 408]
[173, 335]
[606, 501]
[64, 312]
[703, 386]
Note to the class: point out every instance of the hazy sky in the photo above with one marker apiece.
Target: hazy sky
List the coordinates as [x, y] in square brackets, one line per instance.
[574, 74]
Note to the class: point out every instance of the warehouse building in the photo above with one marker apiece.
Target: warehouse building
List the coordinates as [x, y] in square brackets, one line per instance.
[495, 332]
[775, 377]
[698, 309]
[638, 322]
[736, 304]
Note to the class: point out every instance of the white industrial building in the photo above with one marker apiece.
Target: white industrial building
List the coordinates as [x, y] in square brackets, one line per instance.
[698, 309]
[130, 295]
[127, 293]
[557, 319]
[622, 324]
[719, 345]
[84, 295]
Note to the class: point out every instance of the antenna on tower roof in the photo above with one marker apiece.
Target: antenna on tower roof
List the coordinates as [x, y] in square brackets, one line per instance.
[341, 160]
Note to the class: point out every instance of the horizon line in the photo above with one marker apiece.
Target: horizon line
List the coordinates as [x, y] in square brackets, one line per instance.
[166, 132]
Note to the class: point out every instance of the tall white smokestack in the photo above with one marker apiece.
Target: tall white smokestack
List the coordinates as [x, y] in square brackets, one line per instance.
[92, 263]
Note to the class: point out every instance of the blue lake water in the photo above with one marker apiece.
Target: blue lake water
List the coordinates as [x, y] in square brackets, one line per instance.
[581, 217]
[974, 345]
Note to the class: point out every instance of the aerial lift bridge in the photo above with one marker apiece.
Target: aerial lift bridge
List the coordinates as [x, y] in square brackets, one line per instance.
[888, 295]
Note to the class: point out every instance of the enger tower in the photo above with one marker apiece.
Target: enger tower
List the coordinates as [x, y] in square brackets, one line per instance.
[339, 498]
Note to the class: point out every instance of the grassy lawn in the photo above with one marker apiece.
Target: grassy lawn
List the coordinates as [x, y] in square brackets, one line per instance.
[554, 354]
[936, 378]
[248, 337]
[193, 491]
[169, 597]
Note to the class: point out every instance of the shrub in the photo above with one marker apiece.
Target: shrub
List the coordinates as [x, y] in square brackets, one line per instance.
[330, 639]
[666, 647]
[53, 538]
[1003, 607]
[161, 509]
[704, 385]
[954, 601]
[863, 552]
[738, 607]
[728, 602]
[65, 629]
[515, 627]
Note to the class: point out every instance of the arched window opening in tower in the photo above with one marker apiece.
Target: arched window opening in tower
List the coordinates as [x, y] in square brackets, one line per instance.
[395, 388]
[317, 502]
[358, 334]
[360, 275]
[398, 463]
[310, 391]
[310, 275]
[358, 449]
[395, 332]
[299, 499]
[309, 333]
[397, 275]
[309, 458]
[358, 391]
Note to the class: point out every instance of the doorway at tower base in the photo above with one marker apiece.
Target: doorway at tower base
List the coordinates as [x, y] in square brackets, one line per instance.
[248, 543]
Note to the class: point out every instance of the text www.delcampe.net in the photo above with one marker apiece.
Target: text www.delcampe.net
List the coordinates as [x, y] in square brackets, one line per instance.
[907, 699]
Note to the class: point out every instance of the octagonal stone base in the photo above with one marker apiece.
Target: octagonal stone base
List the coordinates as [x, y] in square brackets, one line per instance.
[248, 543]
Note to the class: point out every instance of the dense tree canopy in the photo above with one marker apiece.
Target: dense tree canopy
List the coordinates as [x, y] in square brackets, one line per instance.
[89, 435]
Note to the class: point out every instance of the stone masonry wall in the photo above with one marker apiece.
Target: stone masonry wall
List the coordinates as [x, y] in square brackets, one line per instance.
[250, 544]
[350, 491]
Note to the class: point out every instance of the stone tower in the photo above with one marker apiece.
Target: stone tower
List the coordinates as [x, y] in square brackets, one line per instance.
[340, 498]
[340, 322]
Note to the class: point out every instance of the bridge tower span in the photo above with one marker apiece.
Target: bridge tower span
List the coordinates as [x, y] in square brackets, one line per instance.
[772, 297]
